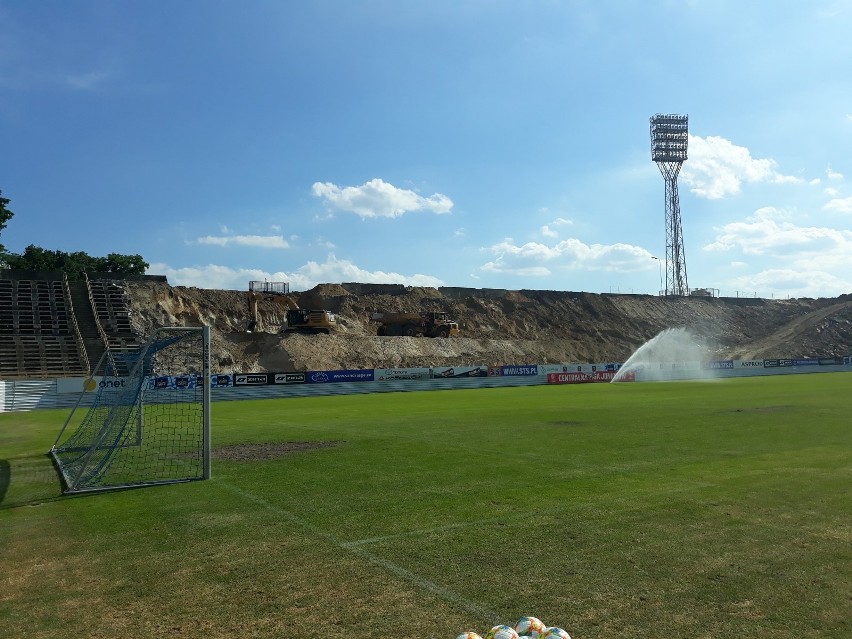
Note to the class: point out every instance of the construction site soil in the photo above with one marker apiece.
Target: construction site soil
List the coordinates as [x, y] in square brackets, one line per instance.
[497, 326]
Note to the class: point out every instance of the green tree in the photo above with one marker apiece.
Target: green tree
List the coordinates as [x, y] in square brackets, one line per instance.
[74, 265]
[35, 258]
[5, 216]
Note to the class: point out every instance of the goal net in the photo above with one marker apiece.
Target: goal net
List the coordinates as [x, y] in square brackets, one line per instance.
[149, 420]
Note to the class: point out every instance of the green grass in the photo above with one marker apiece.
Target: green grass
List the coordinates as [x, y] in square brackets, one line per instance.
[635, 510]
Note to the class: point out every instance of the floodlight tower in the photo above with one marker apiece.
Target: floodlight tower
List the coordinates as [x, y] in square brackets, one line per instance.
[669, 137]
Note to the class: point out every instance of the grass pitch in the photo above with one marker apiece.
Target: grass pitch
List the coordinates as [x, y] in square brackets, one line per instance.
[633, 510]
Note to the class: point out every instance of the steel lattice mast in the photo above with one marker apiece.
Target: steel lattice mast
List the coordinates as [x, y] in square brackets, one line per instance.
[669, 138]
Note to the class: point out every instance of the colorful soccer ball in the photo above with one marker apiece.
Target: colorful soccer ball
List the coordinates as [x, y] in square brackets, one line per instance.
[470, 634]
[529, 627]
[502, 632]
[554, 633]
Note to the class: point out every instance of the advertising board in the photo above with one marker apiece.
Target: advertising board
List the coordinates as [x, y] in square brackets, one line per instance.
[775, 363]
[325, 377]
[251, 379]
[805, 362]
[459, 371]
[172, 382]
[396, 374]
[287, 378]
[519, 371]
[219, 381]
[748, 363]
[718, 364]
[583, 377]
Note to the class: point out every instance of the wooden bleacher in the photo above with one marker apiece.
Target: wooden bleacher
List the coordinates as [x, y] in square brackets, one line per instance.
[38, 336]
[50, 327]
[111, 305]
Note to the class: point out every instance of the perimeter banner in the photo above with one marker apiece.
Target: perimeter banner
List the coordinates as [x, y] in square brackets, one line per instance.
[396, 374]
[582, 377]
[251, 379]
[325, 377]
[748, 363]
[459, 371]
[519, 371]
[287, 378]
[775, 363]
[265, 379]
[718, 364]
[544, 369]
[173, 381]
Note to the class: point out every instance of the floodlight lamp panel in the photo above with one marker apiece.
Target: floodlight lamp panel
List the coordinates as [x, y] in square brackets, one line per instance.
[669, 137]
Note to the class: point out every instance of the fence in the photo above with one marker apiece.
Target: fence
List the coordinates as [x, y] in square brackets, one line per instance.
[24, 395]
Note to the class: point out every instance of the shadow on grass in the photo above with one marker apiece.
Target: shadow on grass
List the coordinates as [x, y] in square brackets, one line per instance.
[28, 481]
[5, 475]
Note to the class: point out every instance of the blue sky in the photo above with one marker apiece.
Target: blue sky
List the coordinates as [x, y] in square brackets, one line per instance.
[491, 144]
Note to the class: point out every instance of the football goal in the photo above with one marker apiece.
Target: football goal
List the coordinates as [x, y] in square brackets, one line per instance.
[148, 421]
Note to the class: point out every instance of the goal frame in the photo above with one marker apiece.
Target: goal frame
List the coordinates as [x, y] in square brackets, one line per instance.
[71, 481]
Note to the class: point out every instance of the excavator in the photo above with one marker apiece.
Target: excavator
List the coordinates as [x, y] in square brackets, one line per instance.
[298, 320]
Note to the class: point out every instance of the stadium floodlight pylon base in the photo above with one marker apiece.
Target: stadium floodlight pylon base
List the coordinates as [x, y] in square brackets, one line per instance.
[149, 421]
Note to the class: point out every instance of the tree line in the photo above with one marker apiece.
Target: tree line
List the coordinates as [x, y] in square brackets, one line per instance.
[74, 265]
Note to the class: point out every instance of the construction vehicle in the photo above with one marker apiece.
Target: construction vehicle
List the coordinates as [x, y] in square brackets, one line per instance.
[298, 320]
[426, 324]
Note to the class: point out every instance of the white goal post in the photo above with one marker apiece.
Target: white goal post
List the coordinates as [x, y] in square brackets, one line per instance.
[149, 420]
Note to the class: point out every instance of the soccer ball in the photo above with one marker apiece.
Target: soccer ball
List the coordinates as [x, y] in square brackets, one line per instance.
[529, 627]
[502, 632]
[470, 634]
[554, 633]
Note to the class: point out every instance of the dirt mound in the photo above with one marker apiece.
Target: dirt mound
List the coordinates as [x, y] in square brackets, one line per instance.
[498, 326]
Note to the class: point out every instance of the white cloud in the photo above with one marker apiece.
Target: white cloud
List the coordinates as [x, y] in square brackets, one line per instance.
[833, 175]
[841, 205]
[770, 231]
[305, 277]
[535, 259]
[792, 282]
[86, 81]
[812, 256]
[716, 167]
[548, 231]
[378, 198]
[258, 241]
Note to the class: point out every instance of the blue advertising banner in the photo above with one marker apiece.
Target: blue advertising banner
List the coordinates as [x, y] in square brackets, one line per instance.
[217, 381]
[718, 364]
[395, 374]
[507, 371]
[805, 362]
[748, 363]
[172, 381]
[324, 377]
[774, 363]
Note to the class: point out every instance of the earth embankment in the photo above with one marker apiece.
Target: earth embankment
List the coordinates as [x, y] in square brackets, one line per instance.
[498, 326]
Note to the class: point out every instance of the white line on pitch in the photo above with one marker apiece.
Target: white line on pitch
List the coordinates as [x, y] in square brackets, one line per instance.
[427, 531]
[448, 595]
